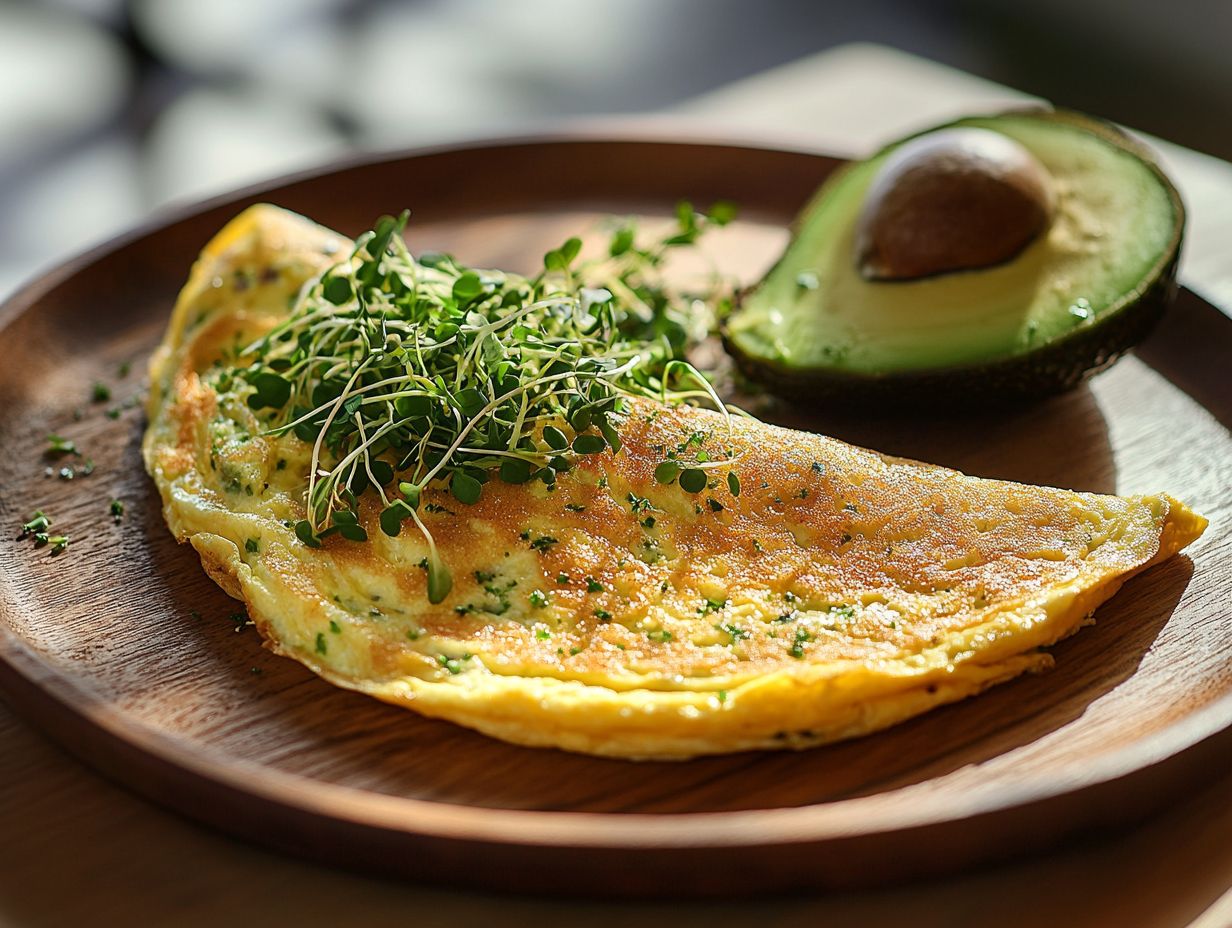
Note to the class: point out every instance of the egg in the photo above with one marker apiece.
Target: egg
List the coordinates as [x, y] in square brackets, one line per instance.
[838, 592]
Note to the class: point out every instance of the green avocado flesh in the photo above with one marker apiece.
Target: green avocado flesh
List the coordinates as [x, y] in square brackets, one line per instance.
[1116, 227]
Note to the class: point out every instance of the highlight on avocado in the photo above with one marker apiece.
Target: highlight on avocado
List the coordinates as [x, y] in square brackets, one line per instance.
[996, 258]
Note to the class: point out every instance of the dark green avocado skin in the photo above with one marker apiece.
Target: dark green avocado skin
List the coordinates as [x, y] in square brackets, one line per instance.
[1055, 367]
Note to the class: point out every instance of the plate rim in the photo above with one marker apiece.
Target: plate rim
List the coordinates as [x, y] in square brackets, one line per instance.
[25, 677]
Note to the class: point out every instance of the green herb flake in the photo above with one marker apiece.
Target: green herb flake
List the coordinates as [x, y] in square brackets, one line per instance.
[116, 508]
[38, 523]
[252, 545]
[58, 445]
[322, 646]
[797, 646]
[100, 392]
[452, 664]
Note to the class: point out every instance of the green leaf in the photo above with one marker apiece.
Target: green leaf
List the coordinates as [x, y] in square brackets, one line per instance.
[382, 471]
[570, 249]
[733, 483]
[693, 480]
[556, 439]
[326, 392]
[303, 531]
[589, 444]
[722, 212]
[667, 471]
[392, 517]
[384, 230]
[622, 241]
[581, 418]
[610, 434]
[470, 400]
[515, 470]
[271, 390]
[411, 407]
[337, 290]
[467, 287]
[465, 488]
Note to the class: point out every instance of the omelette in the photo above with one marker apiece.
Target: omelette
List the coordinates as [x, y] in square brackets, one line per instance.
[807, 591]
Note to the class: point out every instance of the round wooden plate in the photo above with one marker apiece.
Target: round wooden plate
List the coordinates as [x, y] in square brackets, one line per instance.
[123, 650]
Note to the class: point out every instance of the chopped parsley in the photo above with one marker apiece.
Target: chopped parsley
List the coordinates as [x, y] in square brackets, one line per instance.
[58, 445]
[797, 646]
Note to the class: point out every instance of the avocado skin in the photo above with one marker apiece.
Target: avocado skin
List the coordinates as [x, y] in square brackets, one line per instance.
[1055, 367]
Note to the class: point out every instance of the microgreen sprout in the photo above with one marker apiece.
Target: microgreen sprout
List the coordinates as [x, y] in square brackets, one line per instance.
[405, 372]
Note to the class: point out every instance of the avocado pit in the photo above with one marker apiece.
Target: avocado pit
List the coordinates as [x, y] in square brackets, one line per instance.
[952, 200]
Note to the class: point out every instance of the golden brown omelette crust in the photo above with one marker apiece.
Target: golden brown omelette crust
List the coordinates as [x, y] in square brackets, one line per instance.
[915, 584]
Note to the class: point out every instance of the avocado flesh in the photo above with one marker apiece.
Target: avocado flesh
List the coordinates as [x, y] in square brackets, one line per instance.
[1115, 231]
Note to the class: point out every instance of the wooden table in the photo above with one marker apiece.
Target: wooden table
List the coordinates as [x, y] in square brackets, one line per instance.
[75, 848]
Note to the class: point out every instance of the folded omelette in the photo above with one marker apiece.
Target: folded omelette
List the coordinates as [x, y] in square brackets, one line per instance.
[835, 591]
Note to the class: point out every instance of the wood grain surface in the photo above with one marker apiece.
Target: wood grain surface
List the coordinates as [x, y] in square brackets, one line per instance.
[123, 649]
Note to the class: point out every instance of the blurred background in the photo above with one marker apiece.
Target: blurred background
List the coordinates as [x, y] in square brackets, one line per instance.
[113, 108]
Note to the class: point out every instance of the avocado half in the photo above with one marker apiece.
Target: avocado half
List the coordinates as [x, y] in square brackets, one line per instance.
[1087, 289]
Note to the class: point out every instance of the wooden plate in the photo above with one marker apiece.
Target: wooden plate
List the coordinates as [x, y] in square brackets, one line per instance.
[123, 650]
